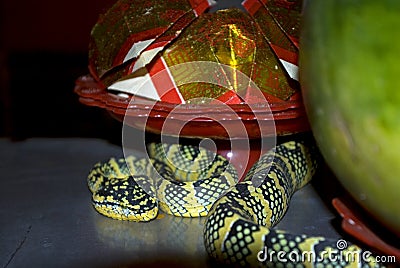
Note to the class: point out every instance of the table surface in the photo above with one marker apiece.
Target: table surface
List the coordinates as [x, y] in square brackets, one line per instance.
[47, 219]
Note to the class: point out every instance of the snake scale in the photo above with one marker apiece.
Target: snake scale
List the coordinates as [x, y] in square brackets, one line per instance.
[190, 181]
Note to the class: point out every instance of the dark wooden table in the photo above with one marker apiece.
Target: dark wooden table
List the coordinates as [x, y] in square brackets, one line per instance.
[47, 220]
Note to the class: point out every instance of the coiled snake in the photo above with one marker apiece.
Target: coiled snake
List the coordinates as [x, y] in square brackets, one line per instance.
[190, 181]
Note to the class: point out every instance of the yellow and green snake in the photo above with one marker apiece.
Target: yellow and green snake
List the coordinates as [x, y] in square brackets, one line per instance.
[189, 181]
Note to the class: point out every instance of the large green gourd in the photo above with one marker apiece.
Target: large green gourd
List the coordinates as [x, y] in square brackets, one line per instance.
[350, 77]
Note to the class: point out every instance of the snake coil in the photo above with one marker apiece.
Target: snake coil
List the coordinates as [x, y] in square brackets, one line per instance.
[240, 216]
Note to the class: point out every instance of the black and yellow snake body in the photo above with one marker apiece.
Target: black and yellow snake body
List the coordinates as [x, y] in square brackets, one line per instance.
[240, 216]
[183, 181]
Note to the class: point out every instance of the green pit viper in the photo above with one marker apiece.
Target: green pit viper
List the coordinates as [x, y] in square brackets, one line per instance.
[190, 181]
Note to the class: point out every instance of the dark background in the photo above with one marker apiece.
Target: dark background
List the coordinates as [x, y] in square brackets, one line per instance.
[43, 49]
